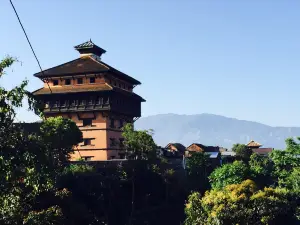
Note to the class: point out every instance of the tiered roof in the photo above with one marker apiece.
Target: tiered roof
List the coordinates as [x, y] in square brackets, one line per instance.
[89, 47]
[178, 146]
[254, 144]
[84, 65]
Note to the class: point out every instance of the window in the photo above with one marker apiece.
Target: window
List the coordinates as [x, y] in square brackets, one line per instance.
[92, 80]
[91, 101]
[87, 141]
[99, 101]
[79, 81]
[55, 82]
[56, 103]
[67, 81]
[82, 102]
[119, 85]
[87, 122]
[121, 124]
[73, 102]
[87, 158]
[112, 157]
[121, 140]
[112, 123]
[112, 142]
[62, 102]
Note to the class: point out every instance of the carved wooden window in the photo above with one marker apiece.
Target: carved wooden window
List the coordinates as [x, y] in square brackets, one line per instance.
[67, 81]
[87, 122]
[87, 158]
[99, 101]
[87, 141]
[79, 81]
[112, 123]
[113, 142]
[56, 103]
[92, 80]
[121, 142]
[73, 102]
[121, 123]
[91, 101]
[82, 102]
[62, 102]
[55, 82]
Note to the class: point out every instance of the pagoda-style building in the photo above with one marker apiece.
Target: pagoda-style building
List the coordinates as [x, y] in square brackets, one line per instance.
[99, 98]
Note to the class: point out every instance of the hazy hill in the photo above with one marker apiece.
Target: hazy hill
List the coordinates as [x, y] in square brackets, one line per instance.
[212, 129]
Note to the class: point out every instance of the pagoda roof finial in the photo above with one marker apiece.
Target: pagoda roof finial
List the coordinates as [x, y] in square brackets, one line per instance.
[89, 47]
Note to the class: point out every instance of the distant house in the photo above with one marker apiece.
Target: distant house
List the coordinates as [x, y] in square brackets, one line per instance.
[174, 150]
[253, 144]
[176, 147]
[196, 147]
[256, 148]
[214, 152]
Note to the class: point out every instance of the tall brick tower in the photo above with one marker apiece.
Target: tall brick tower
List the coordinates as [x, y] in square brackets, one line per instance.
[99, 98]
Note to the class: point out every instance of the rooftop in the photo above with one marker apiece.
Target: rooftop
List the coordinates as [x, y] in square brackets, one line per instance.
[85, 65]
[89, 47]
[81, 89]
[253, 144]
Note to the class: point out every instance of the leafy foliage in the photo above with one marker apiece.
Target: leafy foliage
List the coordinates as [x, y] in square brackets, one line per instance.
[261, 168]
[198, 169]
[285, 161]
[242, 204]
[138, 144]
[243, 152]
[30, 162]
[229, 174]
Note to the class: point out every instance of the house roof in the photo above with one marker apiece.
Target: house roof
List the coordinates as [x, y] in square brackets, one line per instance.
[86, 88]
[205, 148]
[72, 89]
[228, 153]
[178, 146]
[89, 45]
[253, 144]
[84, 65]
[262, 150]
[212, 155]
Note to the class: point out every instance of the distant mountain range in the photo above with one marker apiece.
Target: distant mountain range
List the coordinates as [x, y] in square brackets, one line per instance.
[209, 129]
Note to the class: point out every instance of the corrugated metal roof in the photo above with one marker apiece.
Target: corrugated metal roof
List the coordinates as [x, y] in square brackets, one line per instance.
[212, 155]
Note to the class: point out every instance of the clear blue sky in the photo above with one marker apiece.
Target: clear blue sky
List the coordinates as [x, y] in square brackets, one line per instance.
[239, 59]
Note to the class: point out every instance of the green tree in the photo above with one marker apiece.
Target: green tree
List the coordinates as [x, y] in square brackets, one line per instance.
[261, 168]
[229, 174]
[286, 160]
[243, 152]
[138, 144]
[243, 204]
[198, 169]
[292, 182]
[30, 163]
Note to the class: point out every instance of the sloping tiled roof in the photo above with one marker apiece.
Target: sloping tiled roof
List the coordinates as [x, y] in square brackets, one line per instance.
[87, 44]
[84, 65]
[178, 146]
[253, 144]
[72, 89]
[205, 148]
[90, 46]
[85, 88]
[262, 150]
